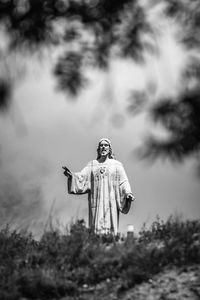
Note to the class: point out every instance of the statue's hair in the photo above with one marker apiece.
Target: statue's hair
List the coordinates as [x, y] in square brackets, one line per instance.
[111, 154]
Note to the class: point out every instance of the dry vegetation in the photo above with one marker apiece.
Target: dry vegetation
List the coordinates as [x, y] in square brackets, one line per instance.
[81, 265]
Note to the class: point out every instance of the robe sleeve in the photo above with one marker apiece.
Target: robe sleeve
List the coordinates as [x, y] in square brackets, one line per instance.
[124, 189]
[80, 182]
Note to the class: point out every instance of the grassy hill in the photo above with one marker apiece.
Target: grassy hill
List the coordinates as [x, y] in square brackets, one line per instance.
[163, 262]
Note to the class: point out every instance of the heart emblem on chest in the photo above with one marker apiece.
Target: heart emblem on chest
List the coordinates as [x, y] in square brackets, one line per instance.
[102, 170]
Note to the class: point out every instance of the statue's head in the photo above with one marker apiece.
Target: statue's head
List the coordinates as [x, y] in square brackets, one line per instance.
[105, 142]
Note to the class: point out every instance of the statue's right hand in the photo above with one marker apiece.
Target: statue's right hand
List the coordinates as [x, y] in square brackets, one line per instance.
[67, 172]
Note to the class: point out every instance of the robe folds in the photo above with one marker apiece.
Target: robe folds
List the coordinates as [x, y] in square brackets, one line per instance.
[107, 186]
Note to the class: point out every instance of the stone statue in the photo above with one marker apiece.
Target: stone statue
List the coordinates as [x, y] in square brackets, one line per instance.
[108, 188]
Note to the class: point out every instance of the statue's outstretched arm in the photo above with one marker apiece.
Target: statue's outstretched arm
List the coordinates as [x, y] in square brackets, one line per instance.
[78, 182]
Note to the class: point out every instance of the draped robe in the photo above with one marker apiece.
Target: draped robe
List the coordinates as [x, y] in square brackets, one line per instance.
[107, 186]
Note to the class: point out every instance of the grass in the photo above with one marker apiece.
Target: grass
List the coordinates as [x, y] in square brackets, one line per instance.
[59, 265]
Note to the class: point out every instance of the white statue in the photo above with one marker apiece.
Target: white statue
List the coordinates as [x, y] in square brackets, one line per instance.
[108, 188]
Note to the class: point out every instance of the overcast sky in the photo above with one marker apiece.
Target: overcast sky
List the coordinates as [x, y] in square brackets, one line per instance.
[46, 129]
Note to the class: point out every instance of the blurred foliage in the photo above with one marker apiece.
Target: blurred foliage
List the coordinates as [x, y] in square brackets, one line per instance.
[5, 94]
[180, 116]
[98, 28]
[60, 265]
[69, 74]
[182, 120]
[91, 32]
[188, 14]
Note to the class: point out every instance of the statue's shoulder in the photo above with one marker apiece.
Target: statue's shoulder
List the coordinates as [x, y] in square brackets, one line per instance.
[95, 162]
[92, 162]
[116, 162]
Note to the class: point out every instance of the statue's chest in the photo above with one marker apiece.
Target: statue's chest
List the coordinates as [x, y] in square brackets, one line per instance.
[105, 172]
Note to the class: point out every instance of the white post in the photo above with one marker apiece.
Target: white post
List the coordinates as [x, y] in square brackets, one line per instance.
[130, 231]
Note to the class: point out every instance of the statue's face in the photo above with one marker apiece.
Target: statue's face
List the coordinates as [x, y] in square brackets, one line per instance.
[104, 148]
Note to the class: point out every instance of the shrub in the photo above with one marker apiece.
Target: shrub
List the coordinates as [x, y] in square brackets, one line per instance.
[58, 264]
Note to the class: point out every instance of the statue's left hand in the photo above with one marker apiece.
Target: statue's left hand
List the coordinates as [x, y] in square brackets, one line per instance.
[130, 197]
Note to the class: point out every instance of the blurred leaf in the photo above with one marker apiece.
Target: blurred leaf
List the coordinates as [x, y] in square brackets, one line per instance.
[174, 7]
[137, 102]
[187, 13]
[182, 121]
[5, 94]
[69, 73]
[129, 32]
